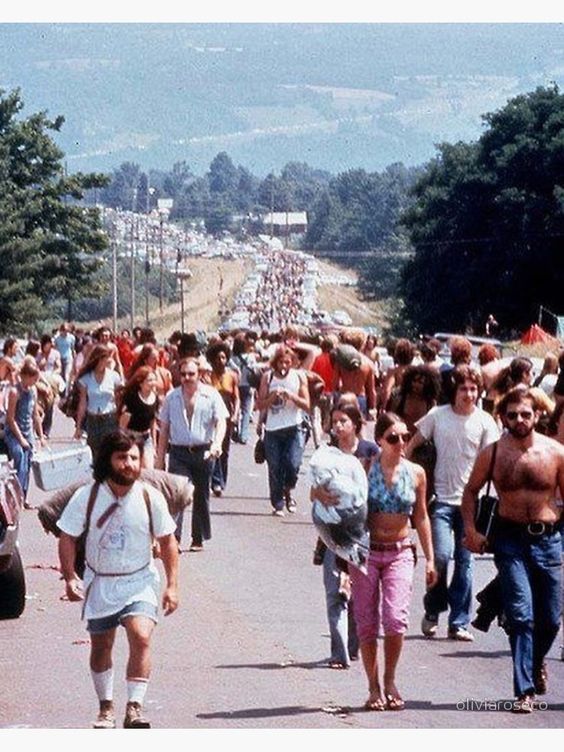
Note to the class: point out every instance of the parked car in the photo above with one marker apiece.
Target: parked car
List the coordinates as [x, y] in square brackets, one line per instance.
[12, 577]
[342, 318]
[476, 342]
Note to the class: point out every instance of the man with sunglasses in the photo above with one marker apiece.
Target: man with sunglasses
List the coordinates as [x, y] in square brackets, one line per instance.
[193, 419]
[459, 430]
[528, 471]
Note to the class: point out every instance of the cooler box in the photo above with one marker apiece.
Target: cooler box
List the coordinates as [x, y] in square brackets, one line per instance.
[57, 468]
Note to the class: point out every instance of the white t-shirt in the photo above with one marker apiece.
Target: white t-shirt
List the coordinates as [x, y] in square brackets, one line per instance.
[458, 440]
[122, 544]
[548, 383]
[284, 413]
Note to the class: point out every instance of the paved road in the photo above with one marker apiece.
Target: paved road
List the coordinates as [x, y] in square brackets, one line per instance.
[246, 648]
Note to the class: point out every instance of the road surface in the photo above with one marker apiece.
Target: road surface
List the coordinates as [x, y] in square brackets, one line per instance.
[247, 646]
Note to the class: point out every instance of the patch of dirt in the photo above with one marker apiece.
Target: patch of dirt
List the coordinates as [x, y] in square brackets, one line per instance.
[344, 298]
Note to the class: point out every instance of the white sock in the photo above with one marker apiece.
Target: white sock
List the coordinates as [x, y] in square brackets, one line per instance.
[104, 684]
[136, 689]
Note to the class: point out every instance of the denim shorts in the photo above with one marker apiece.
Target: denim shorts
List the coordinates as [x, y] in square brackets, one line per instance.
[137, 608]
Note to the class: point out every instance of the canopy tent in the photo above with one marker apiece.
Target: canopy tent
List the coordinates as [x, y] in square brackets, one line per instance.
[536, 334]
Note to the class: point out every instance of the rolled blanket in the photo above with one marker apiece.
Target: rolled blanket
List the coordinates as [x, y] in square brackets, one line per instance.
[177, 490]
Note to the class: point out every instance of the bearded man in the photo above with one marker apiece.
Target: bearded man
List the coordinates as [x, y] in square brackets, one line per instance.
[121, 518]
[528, 470]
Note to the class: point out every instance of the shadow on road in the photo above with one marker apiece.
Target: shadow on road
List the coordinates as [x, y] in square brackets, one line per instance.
[477, 654]
[260, 712]
[225, 513]
[273, 666]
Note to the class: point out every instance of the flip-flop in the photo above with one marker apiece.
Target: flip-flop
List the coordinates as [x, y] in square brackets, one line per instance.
[394, 702]
[377, 704]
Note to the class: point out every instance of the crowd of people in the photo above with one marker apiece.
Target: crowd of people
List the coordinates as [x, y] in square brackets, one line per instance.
[441, 428]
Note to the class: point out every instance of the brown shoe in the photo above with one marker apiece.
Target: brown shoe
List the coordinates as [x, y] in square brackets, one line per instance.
[106, 718]
[524, 704]
[540, 677]
[134, 718]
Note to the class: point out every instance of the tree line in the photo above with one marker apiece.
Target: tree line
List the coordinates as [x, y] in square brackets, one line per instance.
[476, 230]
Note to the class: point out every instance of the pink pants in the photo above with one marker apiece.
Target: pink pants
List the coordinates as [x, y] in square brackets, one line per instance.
[387, 588]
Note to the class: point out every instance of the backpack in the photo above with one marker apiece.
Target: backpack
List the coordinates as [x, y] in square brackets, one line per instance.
[347, 357]
[251, 373]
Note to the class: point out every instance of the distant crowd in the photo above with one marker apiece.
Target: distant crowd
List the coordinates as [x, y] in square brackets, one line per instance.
[434, 418]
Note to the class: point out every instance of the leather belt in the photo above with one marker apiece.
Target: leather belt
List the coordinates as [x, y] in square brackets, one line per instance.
[535, 529]
[392, 546]
[193, 448]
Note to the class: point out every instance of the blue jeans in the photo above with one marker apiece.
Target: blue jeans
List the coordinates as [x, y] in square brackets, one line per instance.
[20, 457]
[448, 530]
[246, 395]
[530, 571]
[342, 629]
[221, 464]
[283, 450]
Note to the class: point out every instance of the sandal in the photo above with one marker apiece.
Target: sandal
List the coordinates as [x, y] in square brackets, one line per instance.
[377, 704]
[337, 665]
[394, 702]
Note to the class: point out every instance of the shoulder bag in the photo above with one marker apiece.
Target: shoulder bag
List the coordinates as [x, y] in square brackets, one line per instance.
[487, 507]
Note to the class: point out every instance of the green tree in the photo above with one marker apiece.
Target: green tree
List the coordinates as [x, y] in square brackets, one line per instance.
[123, 189]
[223, 175]
[488, 221]
[48, 241]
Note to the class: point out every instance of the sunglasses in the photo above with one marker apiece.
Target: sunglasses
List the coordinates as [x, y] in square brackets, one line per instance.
[394, 438]
[514, 414]
[188, 373]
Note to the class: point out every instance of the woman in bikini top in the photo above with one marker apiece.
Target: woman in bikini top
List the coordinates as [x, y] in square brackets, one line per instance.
[396, 492]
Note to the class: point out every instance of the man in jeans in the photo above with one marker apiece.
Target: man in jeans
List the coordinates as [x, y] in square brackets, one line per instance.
[528, 471]
[459, 431]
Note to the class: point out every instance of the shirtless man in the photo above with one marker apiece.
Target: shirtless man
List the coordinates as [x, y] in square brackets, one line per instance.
[362, 380]
[8, 369]
[103, 336]
[528, 471]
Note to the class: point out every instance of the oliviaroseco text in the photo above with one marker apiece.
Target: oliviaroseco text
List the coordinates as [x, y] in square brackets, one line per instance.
[472, 704]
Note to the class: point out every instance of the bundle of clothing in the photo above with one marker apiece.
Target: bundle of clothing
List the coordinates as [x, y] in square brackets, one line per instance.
[342, 527]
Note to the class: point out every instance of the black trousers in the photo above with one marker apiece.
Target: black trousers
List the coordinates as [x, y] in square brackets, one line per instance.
[194, 466]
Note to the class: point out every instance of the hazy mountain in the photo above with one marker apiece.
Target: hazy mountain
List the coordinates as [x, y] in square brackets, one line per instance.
[333, 95]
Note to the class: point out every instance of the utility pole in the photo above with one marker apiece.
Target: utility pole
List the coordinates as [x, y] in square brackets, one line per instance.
[161, 256]
[147, 270]
[114, 281]
[272, 207]
[132, 312]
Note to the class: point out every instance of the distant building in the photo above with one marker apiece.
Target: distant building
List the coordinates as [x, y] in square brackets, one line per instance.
[284, 224]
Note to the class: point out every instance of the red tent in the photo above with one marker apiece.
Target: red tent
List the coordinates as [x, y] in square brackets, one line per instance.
[535, 334]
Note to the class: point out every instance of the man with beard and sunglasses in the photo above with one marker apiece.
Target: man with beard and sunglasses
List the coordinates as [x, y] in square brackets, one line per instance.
[528, 471]
[121, 518]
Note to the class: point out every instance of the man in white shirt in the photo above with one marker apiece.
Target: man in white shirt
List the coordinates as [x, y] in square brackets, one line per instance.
[121, 518]
[193, 420]
[459, 431]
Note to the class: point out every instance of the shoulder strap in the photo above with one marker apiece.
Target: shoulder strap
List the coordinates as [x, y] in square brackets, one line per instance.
[491, 468]
[149, 511]
[90, 505]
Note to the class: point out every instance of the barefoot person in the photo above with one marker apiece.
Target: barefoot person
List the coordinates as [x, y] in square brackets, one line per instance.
[528, 471]
[396, 492]
[121, 517]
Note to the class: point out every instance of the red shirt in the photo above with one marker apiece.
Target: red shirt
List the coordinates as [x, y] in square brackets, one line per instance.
[323, 367]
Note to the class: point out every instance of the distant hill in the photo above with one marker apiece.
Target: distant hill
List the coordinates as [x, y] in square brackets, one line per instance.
[335, 96]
